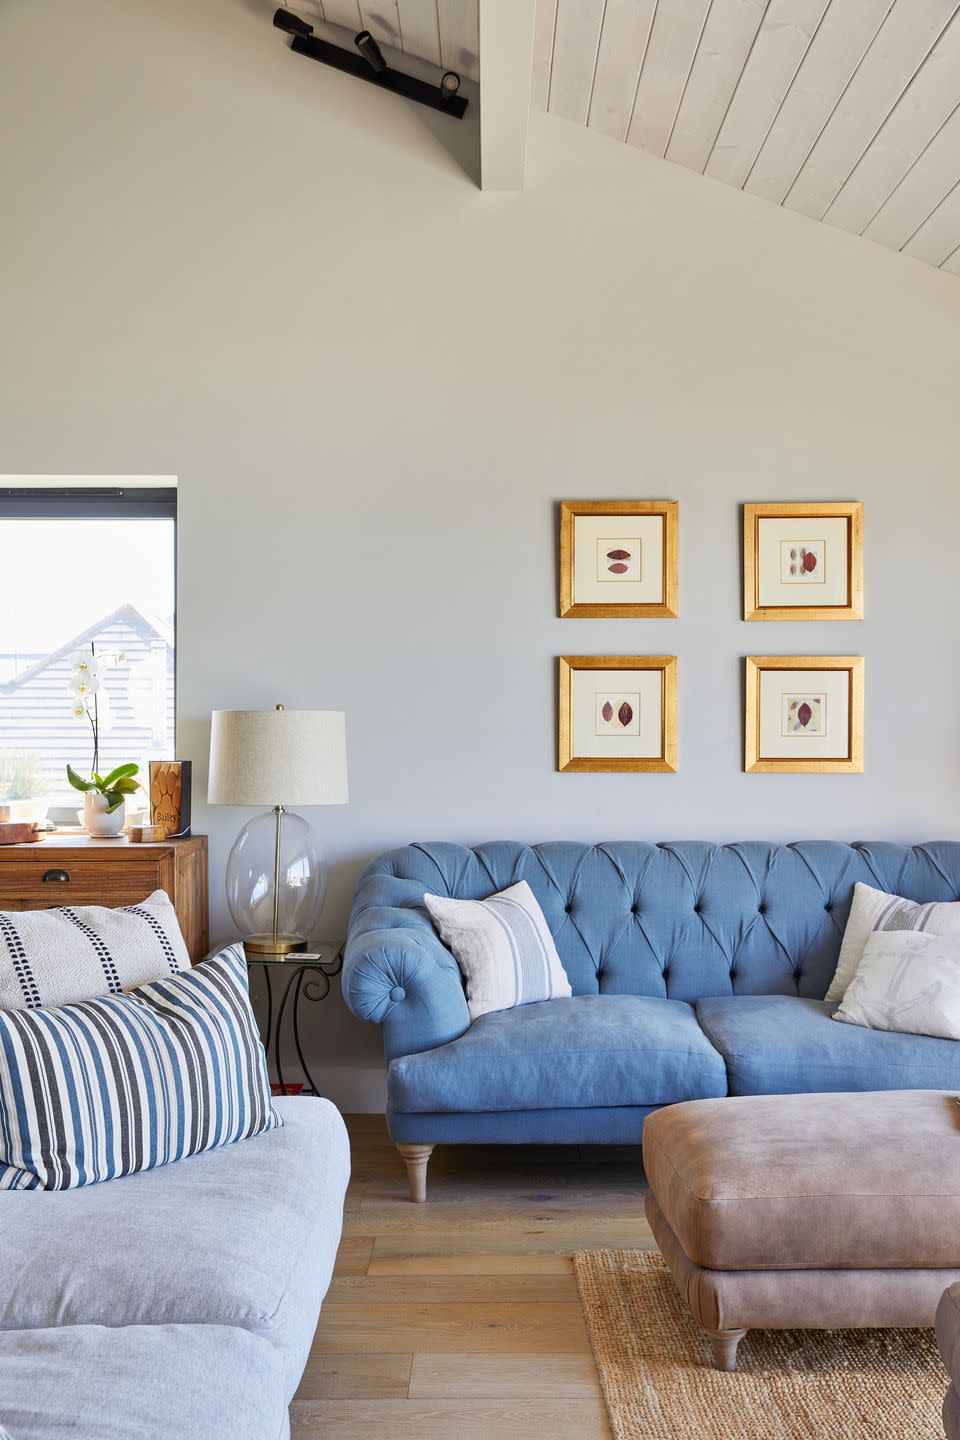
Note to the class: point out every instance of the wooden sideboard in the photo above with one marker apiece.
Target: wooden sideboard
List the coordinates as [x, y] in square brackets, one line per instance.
[71, 869]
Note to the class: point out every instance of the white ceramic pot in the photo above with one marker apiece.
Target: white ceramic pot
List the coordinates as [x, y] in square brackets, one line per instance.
[96, 821]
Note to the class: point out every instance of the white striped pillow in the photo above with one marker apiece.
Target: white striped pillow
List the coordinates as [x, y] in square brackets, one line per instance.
[504, 948]
[128, 1082]
[874, 910]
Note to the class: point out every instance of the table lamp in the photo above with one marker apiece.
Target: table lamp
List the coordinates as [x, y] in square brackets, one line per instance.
[276, 874]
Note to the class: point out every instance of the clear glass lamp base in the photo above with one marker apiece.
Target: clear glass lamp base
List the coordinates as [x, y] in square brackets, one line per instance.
[252, 888]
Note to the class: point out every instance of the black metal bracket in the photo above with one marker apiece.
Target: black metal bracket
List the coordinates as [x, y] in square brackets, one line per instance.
[438, 97]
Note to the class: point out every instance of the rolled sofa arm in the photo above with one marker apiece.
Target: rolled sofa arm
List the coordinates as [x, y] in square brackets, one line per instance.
[404, 979]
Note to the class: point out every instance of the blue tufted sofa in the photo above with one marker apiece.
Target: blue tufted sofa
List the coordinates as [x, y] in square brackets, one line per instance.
[697, 970]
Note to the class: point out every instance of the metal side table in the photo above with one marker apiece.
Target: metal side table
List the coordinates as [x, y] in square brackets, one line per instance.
[299, 975]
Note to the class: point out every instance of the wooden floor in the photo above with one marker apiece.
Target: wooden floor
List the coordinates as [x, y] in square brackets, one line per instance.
[460, 1318]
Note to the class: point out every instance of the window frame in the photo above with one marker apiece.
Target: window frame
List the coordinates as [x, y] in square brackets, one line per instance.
[75, 502]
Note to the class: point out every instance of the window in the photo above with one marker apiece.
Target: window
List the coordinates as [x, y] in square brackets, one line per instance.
[94, 571]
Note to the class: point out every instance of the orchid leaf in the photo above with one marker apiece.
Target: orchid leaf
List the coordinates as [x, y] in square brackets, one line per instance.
[77, 783]
[121, 773]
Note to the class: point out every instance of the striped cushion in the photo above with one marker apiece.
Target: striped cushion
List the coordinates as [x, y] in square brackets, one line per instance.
[105, 1088]
[76, 952]
[503, 946]
[875, 910]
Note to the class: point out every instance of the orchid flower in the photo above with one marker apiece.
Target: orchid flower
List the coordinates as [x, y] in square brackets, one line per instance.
[84, 683]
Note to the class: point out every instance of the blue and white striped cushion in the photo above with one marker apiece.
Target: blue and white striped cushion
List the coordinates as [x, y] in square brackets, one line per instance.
[127, 1082]
[503, 947]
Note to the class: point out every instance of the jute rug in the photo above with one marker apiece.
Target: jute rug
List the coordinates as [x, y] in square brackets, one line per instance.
[659, 1383]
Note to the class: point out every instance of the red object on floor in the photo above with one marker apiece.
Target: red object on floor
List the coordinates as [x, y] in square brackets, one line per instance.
[295, 1087]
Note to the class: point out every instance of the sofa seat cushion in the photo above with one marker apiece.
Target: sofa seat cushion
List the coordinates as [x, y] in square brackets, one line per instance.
[577, 1053]
[781, 1044]
[245, 1235]
[811, 1182]
[154, 1382]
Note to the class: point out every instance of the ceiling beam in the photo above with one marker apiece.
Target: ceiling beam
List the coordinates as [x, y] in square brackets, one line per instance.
[506, 66]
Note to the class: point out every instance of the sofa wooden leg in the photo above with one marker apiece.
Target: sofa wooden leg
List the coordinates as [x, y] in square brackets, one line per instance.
[415, 1158]
[724, 1344]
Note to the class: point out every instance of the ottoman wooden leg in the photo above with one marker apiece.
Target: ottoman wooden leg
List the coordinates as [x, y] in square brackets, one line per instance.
[415, 1158]
[724, 1344]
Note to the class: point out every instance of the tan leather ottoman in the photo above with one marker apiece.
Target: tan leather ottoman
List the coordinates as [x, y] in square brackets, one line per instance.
[807, 1211]
[948, 1338]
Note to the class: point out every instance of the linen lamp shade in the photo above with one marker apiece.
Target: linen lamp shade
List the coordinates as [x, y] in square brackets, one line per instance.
[278, 757]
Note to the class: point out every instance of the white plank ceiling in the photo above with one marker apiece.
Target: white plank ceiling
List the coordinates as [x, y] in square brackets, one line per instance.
[846, 110]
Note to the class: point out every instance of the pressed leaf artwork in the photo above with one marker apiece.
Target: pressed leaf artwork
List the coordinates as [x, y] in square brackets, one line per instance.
[804, 714]
[802, 562]
[619, 560]
[618, 714]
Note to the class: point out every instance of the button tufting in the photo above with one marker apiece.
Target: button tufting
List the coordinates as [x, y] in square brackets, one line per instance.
[666, 972]
[828, 907]
[398, 993]
[568, 909]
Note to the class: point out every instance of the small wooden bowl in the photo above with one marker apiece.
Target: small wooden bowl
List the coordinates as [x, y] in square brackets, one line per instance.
[147, 834]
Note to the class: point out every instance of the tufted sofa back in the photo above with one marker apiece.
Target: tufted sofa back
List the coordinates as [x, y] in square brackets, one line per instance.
[684, 920]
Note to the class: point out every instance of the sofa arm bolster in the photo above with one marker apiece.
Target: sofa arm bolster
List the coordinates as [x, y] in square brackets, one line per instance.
[408, 982]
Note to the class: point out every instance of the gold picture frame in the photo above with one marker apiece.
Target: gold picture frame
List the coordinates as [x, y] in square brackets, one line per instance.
[623, 572]
[776, 719]
[659, 702]
[805, 562]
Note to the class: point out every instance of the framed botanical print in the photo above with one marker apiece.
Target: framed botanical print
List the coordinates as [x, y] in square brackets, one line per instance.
[803, 562]
[618, 558]
[804, 714]
[618, 712]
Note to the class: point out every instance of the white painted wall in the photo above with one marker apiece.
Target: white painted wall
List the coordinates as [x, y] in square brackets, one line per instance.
[374, 383]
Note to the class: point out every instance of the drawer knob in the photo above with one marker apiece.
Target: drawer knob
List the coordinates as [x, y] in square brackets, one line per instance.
[60, 876]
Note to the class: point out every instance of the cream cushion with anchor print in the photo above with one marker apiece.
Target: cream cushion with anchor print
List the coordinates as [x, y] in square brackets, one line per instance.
[908, 982]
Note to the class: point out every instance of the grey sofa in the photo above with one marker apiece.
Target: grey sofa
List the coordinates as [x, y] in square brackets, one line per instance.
[179, 1304]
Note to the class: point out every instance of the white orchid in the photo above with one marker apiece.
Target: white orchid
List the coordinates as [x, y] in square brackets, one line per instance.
[86, 663]
[90, 699]
[84, 682]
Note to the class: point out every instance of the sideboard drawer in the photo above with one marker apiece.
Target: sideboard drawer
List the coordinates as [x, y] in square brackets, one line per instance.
[35, 883]
[73, 869]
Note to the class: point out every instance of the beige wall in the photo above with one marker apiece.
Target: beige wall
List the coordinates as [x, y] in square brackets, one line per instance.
[374, 383]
